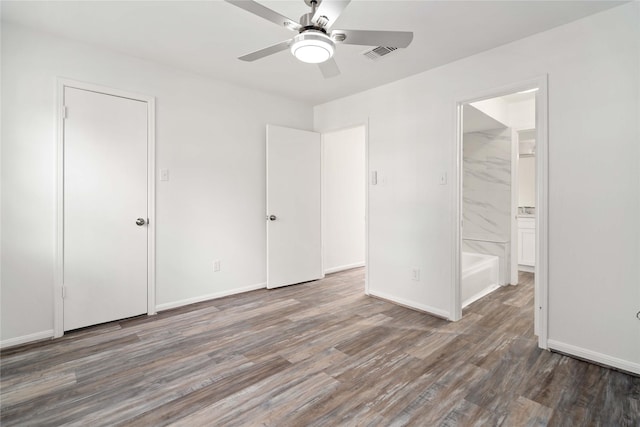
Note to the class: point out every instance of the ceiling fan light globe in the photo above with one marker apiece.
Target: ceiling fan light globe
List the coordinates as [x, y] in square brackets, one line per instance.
[313, 53]
[312, 47]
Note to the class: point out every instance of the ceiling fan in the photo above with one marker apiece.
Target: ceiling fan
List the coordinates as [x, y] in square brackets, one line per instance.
[316, 41]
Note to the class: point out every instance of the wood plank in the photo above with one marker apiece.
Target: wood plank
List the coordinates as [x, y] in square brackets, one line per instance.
[525, 412]
[314, 354]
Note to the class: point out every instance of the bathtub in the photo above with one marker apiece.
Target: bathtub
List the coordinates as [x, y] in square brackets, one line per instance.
[479, 276]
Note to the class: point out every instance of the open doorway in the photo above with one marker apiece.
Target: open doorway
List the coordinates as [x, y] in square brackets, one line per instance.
[499, 239]
[344, 199]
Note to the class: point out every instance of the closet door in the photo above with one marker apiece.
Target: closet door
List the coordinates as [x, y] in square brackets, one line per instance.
[105, 208]
[294, 247]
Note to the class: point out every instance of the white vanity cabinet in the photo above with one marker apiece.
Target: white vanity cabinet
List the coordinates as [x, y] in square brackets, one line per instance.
[526, 242]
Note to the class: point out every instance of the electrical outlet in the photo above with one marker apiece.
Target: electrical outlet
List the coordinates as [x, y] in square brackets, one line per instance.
[443, 179]
[216, 265]
[415, 274]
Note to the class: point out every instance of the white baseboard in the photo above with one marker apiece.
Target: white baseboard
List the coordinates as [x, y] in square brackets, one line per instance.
[411, 304]
[594, 356]
[344, 267]
[11, 342]
[175, 304]
[26, 339]
[526, 268]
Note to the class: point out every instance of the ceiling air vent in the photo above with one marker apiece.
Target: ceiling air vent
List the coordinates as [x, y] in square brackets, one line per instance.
[378, 52]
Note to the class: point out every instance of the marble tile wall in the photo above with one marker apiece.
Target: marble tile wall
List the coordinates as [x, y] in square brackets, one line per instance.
[486, 204]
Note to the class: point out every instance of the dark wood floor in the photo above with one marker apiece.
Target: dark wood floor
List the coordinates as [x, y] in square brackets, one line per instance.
[317, 354]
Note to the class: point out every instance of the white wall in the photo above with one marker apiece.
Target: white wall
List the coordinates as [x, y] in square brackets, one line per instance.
[594, 279]
[343, 170]
[497, 108]
[527, 181]
[210, 135]
[516, 114]
[522, 114]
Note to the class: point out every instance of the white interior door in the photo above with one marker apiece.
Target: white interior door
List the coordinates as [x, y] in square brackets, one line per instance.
[294, 247]
[105, 192]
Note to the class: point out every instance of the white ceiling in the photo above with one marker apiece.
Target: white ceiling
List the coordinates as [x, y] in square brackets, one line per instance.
[207, 36]
[518, 97]
[477, 121]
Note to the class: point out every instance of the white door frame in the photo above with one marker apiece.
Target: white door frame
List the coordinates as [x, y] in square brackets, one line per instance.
[542, 205]
[58, 301]
[366, 194]
[513, 245]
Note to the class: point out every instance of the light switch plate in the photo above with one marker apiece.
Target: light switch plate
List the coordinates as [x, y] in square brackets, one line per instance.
[164, 174]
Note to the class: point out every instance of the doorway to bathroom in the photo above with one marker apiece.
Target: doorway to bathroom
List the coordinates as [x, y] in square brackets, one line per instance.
[501, 204]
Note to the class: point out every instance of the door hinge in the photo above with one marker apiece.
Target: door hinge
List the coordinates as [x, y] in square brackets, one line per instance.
[65, 112]
[64, 292]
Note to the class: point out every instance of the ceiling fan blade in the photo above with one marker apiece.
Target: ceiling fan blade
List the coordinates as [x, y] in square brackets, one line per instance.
[266, 13]
[279, 47]
[329, 10]
[373, 38]
[329, 68]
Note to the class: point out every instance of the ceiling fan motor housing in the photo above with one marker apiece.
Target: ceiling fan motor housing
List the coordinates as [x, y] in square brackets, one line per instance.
[307, 23]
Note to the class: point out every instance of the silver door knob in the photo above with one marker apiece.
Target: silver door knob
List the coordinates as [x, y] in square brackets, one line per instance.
[140, 221]
[272, 218]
